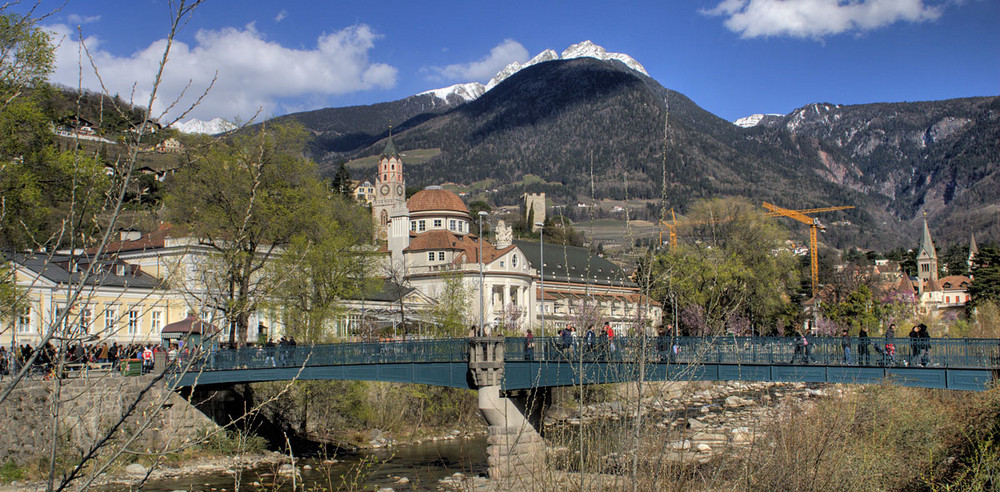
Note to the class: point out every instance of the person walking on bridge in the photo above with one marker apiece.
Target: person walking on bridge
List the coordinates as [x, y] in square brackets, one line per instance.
[890, 345]
[845, 344]
[529, 346]
[863, 342]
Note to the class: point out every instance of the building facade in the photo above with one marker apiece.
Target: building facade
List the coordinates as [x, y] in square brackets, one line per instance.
[432, 239]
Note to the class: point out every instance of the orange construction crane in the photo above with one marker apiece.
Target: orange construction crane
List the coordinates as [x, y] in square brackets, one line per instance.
[814, 225]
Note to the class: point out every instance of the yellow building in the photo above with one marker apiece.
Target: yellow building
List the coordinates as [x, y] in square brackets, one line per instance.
[84, 300]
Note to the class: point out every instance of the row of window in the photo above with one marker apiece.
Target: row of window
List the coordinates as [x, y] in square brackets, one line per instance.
[438, 254]
[453, 225]
[85, 320]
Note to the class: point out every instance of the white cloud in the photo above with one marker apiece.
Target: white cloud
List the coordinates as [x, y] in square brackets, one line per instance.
[80, 19]
[253, 73]
[486, 67]
[818, 18]
[281, 16]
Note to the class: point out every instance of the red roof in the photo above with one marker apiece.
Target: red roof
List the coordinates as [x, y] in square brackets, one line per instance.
[150, 240]
[955, 282]
[468, 245]
[436, 199]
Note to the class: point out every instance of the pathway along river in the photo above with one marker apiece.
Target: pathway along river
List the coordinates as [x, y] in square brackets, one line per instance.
[422, 464]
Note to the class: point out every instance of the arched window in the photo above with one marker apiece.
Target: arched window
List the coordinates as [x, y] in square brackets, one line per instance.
[384, 219]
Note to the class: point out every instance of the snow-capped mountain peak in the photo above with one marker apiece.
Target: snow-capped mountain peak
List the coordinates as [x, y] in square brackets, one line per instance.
[466, 92]
[753, 120]
[588, 49]
[215, 126]
[514, 67]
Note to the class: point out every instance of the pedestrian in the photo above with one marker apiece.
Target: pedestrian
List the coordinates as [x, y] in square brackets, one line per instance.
[914, 335]
[3, 362]
[269, 349]
[529, 346]
[863, 357]
[845, 344]
[147, 359]
[590, 338]
[799, 348]
[566, 337]
[611, 337]
[924, 339]
[890, 344]
[662, 345]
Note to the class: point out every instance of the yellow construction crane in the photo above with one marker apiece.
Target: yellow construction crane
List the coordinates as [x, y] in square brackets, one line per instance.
[814, 225]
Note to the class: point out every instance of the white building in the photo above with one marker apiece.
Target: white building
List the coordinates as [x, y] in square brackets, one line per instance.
[432, 236]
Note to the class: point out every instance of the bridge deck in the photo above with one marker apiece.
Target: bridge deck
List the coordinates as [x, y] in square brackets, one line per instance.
[968, 364]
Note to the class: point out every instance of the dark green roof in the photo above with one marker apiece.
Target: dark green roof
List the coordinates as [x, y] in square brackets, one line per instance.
[390, 148]
[390, 292]
[574, 264]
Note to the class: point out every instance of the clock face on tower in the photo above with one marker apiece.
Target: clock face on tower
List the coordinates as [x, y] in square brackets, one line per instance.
[384, 189]
[399, 190]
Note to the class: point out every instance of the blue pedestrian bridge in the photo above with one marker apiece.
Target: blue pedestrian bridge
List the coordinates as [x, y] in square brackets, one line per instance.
[948, 363]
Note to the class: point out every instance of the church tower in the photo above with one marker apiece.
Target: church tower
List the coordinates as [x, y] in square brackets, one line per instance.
[927, 265]
[973, 251]
[390, 190]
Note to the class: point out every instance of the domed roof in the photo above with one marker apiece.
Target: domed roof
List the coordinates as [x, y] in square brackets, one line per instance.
[435, 198]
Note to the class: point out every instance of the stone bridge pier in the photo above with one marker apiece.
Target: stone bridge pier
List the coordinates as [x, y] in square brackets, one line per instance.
[515, 448]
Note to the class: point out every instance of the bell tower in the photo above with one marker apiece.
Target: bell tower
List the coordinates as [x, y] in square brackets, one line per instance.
[390, 189]
[927, 265]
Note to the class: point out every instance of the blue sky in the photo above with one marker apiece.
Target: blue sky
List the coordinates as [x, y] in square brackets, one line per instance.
[732, 57]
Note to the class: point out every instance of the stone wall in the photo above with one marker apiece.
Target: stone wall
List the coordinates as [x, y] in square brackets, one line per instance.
[87, 408]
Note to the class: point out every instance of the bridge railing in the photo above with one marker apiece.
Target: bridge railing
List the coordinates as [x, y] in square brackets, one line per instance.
[872, 352]
[350, 353]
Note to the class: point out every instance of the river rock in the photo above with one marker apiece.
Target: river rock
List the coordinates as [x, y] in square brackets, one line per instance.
[704, 448]
[136, 470]
[679, 445]
[403, 480]
[696, 424]
[734, 402]
[742, 434]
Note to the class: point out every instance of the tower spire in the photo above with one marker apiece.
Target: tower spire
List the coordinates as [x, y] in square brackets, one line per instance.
[390, 147]
[927, 256]
[973, 251]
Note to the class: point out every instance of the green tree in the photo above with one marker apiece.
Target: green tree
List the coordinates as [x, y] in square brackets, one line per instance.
[985, 277]
[323, 266]
[26, 56]
[451, 312]
[736, 278]
[341, 182]
[247, 198]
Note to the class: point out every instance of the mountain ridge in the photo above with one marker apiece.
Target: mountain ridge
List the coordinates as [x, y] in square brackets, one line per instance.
[552, 118]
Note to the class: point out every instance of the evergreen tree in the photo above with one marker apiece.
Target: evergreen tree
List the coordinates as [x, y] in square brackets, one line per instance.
[341, 183]
[985, 277]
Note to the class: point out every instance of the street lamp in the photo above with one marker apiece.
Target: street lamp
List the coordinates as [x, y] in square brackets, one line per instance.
[482, 214]
[541, 273]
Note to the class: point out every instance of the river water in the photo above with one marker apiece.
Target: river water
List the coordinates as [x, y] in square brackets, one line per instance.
[423, 465]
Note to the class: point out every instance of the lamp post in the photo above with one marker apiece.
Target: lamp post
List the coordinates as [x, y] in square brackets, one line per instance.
[541, 273]
[482, 329]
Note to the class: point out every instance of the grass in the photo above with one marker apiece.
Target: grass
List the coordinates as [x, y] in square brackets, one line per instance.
[10, 472]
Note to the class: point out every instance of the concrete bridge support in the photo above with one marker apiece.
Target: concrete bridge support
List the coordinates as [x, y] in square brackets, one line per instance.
[515, 448]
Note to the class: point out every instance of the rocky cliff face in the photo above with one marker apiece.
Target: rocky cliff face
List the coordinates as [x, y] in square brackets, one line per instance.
[938, 157]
